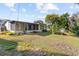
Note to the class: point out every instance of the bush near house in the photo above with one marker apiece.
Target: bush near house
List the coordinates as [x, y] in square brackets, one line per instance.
[75, 30]
[10, 33]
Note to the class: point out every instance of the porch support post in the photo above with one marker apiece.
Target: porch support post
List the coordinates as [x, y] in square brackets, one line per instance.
[27, 26]
[32, 27]
[15, 27]
[39, 27]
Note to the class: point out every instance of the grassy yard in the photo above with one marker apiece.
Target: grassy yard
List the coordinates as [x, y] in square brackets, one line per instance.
[41, 44]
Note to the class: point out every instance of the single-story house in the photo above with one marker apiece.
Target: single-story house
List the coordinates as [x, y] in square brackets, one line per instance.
[22, 27]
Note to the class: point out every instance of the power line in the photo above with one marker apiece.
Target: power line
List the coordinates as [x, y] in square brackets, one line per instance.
[18, 12]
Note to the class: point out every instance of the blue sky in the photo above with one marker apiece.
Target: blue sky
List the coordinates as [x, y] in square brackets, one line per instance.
[30, 12]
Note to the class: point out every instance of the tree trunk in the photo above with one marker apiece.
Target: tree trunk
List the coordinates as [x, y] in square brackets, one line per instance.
[52, 30]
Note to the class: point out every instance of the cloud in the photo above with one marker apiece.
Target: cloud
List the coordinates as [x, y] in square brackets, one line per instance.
[71, 7]
[41, 17]
[32, 15]
[13, 9]
[11, 6]
[23, 9]
[74, 7]
[1, 17]
[45, 7]
[26, 15]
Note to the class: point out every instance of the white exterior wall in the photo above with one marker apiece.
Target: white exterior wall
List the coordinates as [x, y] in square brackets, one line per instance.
[9, 25]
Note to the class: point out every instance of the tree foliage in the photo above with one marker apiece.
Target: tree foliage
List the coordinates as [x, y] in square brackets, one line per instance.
[41, 23]
[64, 22]
[53, 20]
[75, 28]
[57, 22]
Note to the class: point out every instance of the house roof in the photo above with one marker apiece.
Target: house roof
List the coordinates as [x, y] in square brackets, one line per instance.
[22, 22]
[18, 21]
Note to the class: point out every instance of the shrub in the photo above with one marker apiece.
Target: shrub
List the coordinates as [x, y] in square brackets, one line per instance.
[44, 30]
[23, 46]
[75, 30]
[10, 33]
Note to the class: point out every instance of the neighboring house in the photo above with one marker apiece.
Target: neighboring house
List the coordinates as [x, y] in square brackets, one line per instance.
[21, 27]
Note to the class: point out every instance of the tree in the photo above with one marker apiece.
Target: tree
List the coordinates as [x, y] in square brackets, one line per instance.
[41, 23]
[76, 18]
[75, 28]
[64, 21]
[53, 21]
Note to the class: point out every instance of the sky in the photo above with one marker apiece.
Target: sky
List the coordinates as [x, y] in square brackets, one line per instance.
[31, 12]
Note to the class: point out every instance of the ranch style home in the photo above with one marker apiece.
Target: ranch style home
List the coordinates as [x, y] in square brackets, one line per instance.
[20, 27]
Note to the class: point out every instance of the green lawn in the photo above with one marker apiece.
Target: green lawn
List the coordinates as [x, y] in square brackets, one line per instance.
[50, 43]
[8, 44]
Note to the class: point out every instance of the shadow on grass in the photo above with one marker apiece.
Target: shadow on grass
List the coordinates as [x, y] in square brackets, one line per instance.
[57, 54]
[44, 33]
[41, 53]
[41, 33]
[75, 36]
